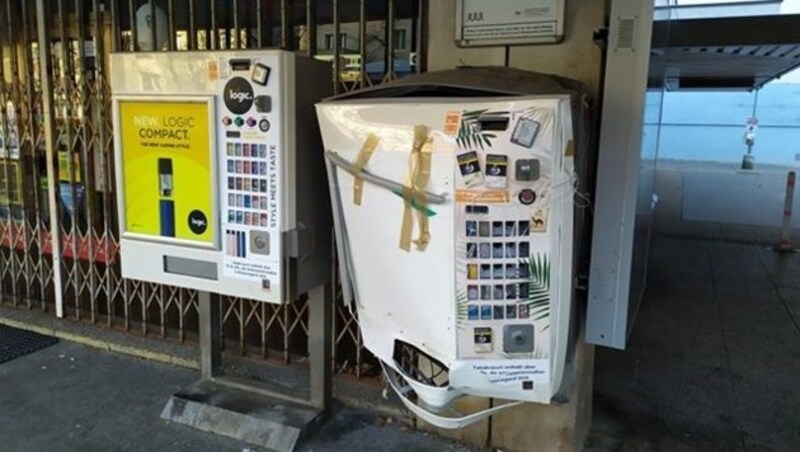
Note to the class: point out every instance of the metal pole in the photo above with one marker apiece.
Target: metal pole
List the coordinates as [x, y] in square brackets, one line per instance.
[171, 38]
[192, 27]
[785, 242]
[311, 26]
[134, 33]
[363, 78]
[210, 333]
[285, 25]
[320, 309]
[11, 229]
[153, 27]
[45, 63]
[237, 34]
[337, 50]
[390, 44]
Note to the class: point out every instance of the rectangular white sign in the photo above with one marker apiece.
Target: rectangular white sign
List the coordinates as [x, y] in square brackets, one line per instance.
[492, 23]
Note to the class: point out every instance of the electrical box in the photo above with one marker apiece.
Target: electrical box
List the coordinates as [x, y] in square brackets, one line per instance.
[454, 218]
[218, 171]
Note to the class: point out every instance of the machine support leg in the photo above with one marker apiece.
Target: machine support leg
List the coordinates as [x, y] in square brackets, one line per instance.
[319, 346]
[210, 335]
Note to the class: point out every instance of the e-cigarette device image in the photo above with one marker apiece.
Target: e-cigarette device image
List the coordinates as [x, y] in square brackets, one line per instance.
[165, 177]
[166, 207]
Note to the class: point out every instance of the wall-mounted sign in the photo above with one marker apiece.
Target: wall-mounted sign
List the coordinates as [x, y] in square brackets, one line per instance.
[167, 169]
[509, 22]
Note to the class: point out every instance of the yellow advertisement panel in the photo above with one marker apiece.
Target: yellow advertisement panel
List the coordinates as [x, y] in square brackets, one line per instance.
[167, 169]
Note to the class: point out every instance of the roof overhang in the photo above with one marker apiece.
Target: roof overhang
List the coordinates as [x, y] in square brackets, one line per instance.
[733, 53]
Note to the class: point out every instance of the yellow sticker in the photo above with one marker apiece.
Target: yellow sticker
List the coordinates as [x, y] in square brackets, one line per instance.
[451, 122]
[539, 220]
[482, 196]
[570, 151]
[213, 71]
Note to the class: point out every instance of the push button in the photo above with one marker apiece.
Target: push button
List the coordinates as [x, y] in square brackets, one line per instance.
[527, 170]
[527, 196]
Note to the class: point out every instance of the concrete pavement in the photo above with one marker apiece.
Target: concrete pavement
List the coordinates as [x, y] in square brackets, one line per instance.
[71, 397]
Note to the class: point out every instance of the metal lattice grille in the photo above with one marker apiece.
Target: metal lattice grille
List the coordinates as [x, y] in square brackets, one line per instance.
[56, 124]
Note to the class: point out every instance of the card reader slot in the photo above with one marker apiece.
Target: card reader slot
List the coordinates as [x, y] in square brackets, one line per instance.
[240, 64]
[493, 123]
[190, 267]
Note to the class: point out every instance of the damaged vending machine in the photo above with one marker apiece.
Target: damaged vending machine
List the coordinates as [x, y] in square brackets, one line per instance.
[453, 198]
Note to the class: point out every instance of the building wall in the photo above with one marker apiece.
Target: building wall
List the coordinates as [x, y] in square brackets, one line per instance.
[531, 426]
[577, 57]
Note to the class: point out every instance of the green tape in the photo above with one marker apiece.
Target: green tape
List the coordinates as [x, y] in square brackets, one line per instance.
[428, 212]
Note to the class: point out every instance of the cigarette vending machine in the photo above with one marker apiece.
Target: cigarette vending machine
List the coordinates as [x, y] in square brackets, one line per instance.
[218, 180]
[453, 208]
[218, 172]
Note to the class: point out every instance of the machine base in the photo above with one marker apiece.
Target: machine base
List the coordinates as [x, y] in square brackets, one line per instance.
[256, 419]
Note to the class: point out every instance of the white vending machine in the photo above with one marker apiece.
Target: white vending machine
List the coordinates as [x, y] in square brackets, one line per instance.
[453, 208]
[218, 171]
[218, 182]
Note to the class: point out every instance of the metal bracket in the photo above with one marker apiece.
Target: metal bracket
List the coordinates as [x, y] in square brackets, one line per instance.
[300, 242]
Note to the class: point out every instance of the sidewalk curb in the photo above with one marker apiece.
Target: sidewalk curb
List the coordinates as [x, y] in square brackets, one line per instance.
[107, 345]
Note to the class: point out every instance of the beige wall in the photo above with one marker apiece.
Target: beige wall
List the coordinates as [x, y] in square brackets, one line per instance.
[577, 56]
[532, 426]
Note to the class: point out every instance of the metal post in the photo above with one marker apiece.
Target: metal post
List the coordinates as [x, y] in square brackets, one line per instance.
[320, 308]
[785, 242]
[210, 334]
[45, 63]
[337, 50]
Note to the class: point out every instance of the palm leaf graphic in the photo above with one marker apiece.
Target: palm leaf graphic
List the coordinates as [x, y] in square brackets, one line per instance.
[538, 296]
[470, 137]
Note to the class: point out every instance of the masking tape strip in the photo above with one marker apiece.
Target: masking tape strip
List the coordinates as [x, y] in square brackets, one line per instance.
[570, 150]
[416, 173]
[423, 176]
[363, 158]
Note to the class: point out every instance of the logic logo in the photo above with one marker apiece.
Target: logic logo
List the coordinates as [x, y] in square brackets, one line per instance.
[238, 95]
[198, 222]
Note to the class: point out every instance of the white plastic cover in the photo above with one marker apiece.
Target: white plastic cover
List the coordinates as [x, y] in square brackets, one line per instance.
[490, 295]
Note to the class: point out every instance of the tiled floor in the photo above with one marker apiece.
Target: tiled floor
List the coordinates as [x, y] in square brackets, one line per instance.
[713, 362]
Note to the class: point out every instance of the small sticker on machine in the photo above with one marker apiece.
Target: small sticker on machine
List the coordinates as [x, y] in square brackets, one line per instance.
[496, 170]
[510, 372]
[470, 168]
[452, 120]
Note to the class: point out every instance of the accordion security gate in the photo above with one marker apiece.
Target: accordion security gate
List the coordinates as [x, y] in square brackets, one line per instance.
[59, 250]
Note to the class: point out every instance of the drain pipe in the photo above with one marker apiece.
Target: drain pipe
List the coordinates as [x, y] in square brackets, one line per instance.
[785, 242]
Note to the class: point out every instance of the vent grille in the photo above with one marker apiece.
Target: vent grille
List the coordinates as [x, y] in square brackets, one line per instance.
[626, 27]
